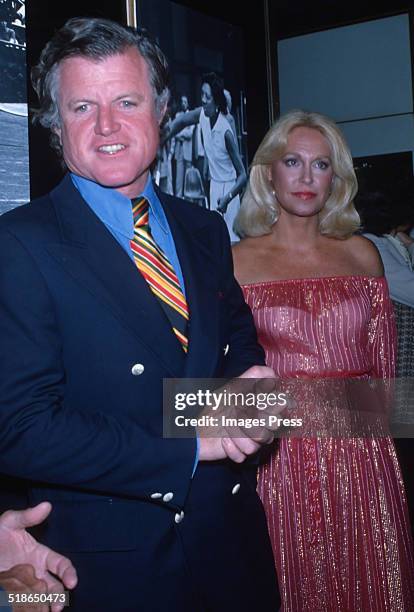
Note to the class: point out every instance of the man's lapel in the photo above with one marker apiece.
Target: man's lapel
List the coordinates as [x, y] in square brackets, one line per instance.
[92, 256]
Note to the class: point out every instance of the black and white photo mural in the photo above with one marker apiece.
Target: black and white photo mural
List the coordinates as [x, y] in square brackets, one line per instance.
[14, 155]
[203, 157]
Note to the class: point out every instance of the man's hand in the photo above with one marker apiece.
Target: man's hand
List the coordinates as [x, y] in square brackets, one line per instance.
[233, 446]
[17, 547]
[222, 204]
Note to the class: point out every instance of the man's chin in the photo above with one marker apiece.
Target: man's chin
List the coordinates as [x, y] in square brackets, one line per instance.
[130, 187]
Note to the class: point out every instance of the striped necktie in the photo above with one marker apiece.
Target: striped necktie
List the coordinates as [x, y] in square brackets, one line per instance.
[158, 272]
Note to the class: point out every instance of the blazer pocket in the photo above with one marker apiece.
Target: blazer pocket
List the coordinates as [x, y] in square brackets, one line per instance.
[91, 526]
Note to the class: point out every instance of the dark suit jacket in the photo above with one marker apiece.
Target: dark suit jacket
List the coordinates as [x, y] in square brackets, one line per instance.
[79, 429]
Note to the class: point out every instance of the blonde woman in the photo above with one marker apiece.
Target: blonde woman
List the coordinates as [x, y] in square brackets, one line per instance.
[335, 506]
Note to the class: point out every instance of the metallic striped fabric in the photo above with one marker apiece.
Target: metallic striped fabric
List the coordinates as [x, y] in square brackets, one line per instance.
[336, 507]
[158, 272]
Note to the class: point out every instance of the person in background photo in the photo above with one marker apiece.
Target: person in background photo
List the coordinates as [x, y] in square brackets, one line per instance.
[201, 165]
[335, 505]
[227, 173]
[230, 117]
[183, 149]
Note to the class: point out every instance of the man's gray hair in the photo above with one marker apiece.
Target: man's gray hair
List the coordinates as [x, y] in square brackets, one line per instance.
[95, 39]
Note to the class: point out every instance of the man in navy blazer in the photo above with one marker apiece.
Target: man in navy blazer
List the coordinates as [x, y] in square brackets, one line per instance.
[150, 523]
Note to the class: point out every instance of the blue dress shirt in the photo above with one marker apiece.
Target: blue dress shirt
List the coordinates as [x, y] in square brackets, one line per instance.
[115, 212]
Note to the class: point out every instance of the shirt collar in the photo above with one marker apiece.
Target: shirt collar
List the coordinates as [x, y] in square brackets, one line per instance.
[157, 214]
[115, 210]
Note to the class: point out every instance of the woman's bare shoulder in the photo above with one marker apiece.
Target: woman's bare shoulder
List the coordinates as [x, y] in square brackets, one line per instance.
[365, 254]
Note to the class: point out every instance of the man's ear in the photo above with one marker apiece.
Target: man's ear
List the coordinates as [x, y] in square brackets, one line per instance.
[162, 112]
[58, 132]
[162, 108]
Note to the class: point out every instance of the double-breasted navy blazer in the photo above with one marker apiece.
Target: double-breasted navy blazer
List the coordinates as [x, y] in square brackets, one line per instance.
[81, 426]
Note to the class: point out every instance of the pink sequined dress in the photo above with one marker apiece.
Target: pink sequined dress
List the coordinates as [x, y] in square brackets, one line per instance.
[336, 507]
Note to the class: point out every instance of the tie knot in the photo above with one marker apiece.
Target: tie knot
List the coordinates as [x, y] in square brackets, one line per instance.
[140, 210]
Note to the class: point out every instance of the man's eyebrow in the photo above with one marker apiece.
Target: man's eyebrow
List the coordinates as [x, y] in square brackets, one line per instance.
[131, 94]
[75, 101]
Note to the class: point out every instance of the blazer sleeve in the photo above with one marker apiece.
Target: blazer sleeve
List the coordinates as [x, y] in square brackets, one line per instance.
[43, 437]
[244, 349]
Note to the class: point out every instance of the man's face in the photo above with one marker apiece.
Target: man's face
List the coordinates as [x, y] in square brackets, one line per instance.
[184, 103]
[207, 100]
[109, 127]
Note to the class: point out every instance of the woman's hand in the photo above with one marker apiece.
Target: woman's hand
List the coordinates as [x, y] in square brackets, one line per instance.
[404, 238]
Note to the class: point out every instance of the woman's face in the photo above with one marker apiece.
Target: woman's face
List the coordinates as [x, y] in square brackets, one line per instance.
[207, 100]
[302, 177]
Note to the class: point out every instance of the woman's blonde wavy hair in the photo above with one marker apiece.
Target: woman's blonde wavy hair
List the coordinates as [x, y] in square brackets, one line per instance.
[260, 209]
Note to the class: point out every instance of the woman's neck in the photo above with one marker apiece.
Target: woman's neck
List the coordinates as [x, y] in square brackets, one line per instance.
[213, 118]
[300, 233]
